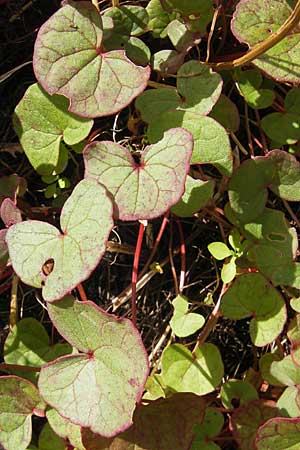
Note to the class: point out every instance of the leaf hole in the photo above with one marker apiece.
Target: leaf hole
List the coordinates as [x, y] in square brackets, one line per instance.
[47, 268]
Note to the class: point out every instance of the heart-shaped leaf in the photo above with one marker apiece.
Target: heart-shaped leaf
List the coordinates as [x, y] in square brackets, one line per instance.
[254, 21]
[247, 418]
[28, 345]
[108, 377]
[237, 389]
[19, 399]
[196, 196]
[42, 121]
[184, 372]
[42, 256]
[252, 295]
[279, 433]
[69, 59]
[164, 424]
[184, 323]
[147, 189]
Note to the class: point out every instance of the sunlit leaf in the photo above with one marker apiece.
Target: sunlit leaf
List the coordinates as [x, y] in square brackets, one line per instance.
[196, 196]
[237, 389]
[184, 323]
[279, 433]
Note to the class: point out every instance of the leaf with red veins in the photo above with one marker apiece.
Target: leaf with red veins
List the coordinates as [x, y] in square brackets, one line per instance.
[148, 189]
[69, 60]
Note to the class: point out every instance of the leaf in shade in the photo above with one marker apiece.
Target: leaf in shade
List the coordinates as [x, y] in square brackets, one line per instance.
[10, 213]
[226, 113]
[237, 389]
[107, 376]
[69, 59]
[148, 189]
[254, 21]
[247, 418]
[249, 84]
[44, 257]
[183, 372]
[164, 424]
[206, 432]
[12, 186]
[19, 399]
[252, 295]
[279, 433]
[293, 334]
[41, 122]
[48, 440]
[65, 429]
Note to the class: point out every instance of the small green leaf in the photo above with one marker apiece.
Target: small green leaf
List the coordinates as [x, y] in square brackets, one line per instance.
[130, 20]
[105, 376]
[48, 440]
[279, 434]
[96, 82]
[226, 113]
[196, 196]
[28, 345]
[148, 189]
[183, 372]
[19, 399]
[237, 389]
[295, 304]
[158, 18]
[285, 371]
[181, 37]
[65, 429]
[252, 295]
[184, 323]
[228, 271]
[205, 432]
[265, 363]
[154, 388]
[42, 121]
[282, 128]
[289, 402]
[293, 334]
[249, 83]
[219, 250]
[85, 229]
[166, 61]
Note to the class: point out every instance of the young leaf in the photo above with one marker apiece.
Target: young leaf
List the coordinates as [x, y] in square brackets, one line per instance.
[86, 221]
[69, 59]
[247, 418]
[65, 429]
[19, 399]
[165, 424]
[148, 189]
[41, 122]
[237, 389]
[183, 372]
[196, 196]
[205, 432]
[99, 387]
[254, 21]
[184, 323]
[28, 345]
[219, 250]
[228, 271]
[252, 295]
[279, 433]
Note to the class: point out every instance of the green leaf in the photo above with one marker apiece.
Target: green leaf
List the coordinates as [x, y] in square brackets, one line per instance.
[254, 21]
[265, 363]
[291, 101]
[226, 113]
[12, 186]
[130, 20]
[41, 122]
[181, 37]
[85, 229]
[148, 189]
[247, 418]
[289, 402]
[282, 128]
[293, 334]
[167, 61]
[154, 388]
[65, 429]
[28, 345]
[158, 18]
[19, 399]
[237, 389]
[228, 271]
[184, 323]
[252, 295]
[105, 377]
[69, 59]
[272, 246]
[295, 304]
[165, 424]
[183, 372]
[205, 432]
[48, 440]
[196, 196]
[285, 371]
[219, 250]
[279, 434]
[249, 83]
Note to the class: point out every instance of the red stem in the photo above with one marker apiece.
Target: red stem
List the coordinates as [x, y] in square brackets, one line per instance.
[173, 270]
[183, 257]
[135, 270]
[82, 293]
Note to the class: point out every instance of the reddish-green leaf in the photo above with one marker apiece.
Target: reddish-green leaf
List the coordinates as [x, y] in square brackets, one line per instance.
[279, 433]
[99, 387]
[69, 59]
[42, 256]
[147, 189]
